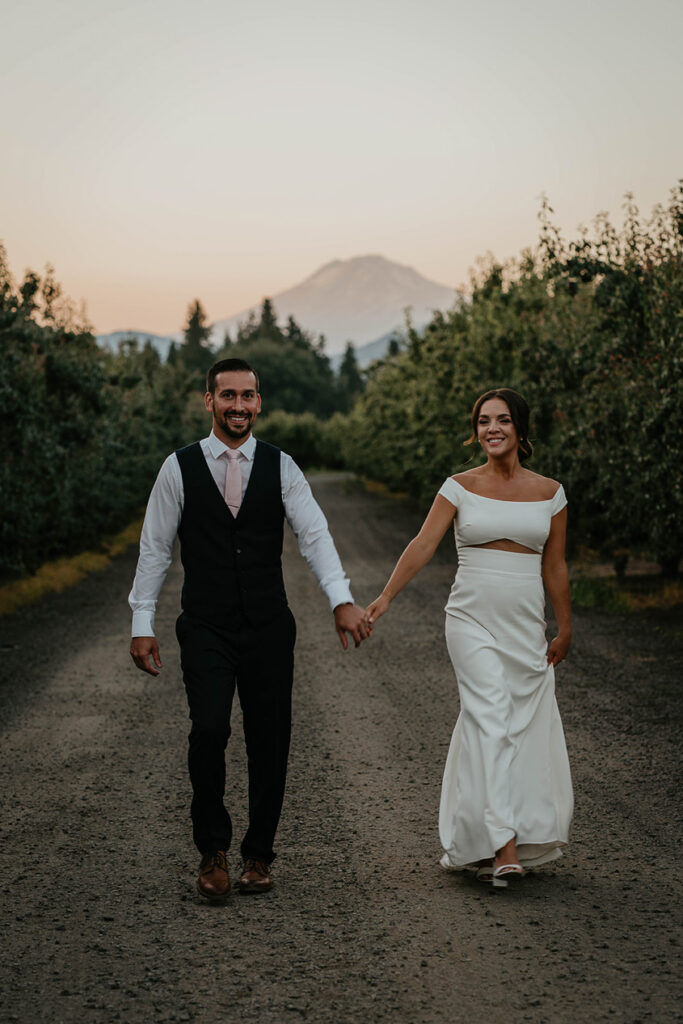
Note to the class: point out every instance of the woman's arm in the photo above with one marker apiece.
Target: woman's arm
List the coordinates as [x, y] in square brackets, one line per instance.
[415, 556]
[556, 579]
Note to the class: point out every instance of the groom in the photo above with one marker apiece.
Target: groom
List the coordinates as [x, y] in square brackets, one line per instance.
[226, 497]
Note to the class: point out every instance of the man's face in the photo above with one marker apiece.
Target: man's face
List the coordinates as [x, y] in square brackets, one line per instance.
[235, 404]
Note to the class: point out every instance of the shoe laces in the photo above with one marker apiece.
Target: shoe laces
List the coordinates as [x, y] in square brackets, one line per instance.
[215, 860]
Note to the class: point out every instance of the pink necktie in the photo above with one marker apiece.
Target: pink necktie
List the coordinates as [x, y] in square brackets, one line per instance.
[233, 483]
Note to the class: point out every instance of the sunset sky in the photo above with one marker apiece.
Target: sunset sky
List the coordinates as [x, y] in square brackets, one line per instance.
[156, 151]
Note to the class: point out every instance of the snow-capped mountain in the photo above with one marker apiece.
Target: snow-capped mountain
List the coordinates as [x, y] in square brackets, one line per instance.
[362, 300]
[356, 300]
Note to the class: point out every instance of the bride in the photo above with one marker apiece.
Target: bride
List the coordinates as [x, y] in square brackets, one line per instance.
[506, 801]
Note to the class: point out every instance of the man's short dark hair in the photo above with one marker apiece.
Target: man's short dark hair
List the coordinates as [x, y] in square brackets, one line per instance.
[228, 366]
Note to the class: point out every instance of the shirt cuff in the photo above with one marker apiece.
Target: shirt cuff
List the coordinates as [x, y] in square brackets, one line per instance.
[143, 624]
[338, 593]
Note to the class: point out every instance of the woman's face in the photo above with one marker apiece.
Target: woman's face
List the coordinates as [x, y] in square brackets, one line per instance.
[495, 430]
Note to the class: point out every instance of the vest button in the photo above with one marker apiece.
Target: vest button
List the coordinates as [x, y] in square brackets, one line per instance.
[239, 551]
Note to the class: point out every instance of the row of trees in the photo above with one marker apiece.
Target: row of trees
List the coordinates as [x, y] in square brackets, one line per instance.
[84, 431]
[295, 372]
[591, 332]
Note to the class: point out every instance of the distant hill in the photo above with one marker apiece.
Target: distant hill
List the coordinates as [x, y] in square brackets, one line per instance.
[362, 300]
[162, 343]
[358, 300]
[367, 354]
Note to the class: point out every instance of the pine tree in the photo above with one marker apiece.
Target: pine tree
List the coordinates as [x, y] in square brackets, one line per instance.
[268, 327]
[295, 335]
[349, 377]
[247, 330]
[196, 330]
[196, 354]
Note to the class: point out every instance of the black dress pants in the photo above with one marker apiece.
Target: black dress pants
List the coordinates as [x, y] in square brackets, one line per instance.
[260, 663]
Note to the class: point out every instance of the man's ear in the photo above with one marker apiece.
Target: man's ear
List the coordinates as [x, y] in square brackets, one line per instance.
[208, 401]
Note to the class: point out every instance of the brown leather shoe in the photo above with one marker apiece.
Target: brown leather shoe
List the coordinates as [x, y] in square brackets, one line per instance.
[214, 880]
[255, 876]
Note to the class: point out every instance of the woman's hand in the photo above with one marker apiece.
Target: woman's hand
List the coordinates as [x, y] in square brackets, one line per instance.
[557, 651]
[378, 607]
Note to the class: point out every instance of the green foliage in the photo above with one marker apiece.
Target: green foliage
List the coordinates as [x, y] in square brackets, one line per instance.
[83, 432]
[298, 434]
[590, 333]
[349, 379]
[195, 354]
[331, 439]
[309, 440]
[295, 374]
[592, 592]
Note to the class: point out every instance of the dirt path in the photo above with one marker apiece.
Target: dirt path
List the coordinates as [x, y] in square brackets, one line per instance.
[100, 921]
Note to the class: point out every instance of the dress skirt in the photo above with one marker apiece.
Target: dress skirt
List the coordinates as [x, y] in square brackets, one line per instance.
[507, 773]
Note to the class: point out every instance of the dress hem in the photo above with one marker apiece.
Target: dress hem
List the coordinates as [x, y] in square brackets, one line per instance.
[526, 859]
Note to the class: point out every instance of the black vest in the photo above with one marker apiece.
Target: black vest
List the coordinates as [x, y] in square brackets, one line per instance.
[233, 565]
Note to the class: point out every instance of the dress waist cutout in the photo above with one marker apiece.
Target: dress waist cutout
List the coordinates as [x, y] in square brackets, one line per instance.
[493, 559]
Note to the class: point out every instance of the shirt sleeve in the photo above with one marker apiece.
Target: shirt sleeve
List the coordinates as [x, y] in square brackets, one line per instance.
[450, 490]
[306, 519]
[162, 519]
[558, 501]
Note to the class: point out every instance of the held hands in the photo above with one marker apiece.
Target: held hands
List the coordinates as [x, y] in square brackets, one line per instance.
[144, 650]
[557, 651]
[378, 607]
[349, 618]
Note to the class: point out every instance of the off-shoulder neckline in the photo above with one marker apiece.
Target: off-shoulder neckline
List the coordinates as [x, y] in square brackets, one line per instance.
[507, 501]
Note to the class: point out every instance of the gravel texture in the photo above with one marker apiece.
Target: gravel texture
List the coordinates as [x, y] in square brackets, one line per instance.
[100, 920]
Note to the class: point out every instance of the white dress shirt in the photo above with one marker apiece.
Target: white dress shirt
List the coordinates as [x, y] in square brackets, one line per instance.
[165, 508]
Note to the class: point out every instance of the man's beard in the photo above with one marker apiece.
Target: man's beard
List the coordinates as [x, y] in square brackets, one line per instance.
[232, 430]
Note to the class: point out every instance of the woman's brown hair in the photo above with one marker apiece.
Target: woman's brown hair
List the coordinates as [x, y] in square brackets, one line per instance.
[519, 414]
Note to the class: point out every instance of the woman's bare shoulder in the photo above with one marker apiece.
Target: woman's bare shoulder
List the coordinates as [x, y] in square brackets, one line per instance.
[544, 487]
[467, 475]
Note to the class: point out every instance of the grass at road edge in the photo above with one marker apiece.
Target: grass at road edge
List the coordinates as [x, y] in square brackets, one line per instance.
[53, 577]
[587, 591]
[608, 595]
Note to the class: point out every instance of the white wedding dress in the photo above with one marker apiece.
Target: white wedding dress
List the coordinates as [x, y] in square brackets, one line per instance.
[507, 773]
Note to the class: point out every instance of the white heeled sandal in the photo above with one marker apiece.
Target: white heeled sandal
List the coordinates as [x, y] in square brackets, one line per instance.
[484, 873]
[503, 872]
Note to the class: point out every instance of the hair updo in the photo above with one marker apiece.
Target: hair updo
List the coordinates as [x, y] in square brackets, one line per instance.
[519, 413]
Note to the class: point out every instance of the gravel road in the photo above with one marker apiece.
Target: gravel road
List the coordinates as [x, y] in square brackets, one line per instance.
[100, 920]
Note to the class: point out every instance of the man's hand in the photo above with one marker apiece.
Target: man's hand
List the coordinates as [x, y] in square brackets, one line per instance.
[348, 618]
[144, 650]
